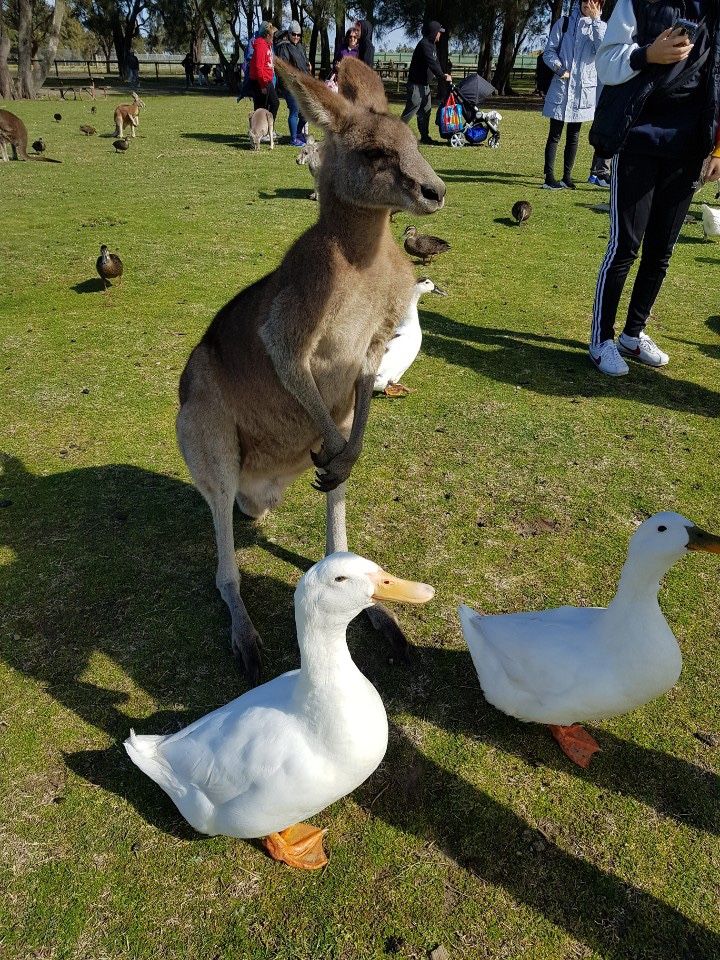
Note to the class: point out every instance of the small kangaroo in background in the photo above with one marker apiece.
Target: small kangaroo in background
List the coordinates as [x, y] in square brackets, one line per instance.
[128, 113]
[309, 156]
[283, 377]
[261, 125]
[14, 132]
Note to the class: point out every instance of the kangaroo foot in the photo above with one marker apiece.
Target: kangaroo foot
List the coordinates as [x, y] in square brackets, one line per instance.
[386, 624]
[245, 641]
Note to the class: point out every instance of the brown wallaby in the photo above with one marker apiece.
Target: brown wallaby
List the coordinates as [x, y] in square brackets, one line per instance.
[261, 124]
[14, 132]
[284, 374]
[128, 113]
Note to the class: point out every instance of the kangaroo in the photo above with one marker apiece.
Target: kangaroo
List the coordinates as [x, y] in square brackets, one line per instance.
[310, 156]
[128, 113]
[261, 125]
[283, 377]
[14, 132]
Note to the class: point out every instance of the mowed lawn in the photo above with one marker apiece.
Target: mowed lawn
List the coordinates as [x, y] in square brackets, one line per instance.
[511, 479]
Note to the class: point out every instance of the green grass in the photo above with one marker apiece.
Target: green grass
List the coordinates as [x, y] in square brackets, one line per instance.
[509, 479]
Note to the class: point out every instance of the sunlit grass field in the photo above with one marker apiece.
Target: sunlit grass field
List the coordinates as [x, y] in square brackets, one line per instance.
[511, 479]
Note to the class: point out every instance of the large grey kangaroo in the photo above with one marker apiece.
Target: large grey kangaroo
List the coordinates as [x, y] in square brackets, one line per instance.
[284, 374]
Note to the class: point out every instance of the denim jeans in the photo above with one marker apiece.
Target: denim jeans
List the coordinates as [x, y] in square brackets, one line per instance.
[295, 120]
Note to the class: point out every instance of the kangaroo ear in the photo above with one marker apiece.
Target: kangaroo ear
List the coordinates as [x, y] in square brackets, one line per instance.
[317, 102]
[361, 85]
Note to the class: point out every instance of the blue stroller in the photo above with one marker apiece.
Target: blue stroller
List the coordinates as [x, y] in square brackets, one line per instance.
[478, 126]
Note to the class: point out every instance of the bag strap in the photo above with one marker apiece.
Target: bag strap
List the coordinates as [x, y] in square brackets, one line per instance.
[690, 73]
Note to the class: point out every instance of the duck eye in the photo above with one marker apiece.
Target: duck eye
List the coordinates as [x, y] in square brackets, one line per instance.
[340, 579]
[662, 528]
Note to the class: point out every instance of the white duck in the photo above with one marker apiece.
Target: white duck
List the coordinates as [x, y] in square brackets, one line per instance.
[404, 345]
[285, 750]
[711, 220]
[574, 664]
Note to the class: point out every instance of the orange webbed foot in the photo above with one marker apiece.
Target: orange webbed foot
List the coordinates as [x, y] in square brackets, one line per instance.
[397, 390]
[299, 846]
[576, 743]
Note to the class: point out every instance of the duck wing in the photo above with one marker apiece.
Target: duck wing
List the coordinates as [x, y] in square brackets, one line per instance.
[532, 665]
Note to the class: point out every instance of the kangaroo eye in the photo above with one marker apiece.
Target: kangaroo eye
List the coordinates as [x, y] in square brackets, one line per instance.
[662, 528]
[340, 579]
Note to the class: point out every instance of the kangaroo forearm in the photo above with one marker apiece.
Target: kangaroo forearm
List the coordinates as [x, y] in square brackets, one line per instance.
[363, 396]
[301, 384]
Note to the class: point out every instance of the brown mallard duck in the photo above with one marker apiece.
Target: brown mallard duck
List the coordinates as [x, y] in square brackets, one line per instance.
[122, 144]
[39, 146]
[57, 117]
[521, 212]
[109, 266]
[422, 245]
[93, 109]
[88, 130]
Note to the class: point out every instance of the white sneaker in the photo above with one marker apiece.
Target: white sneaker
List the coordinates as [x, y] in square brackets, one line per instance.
[607, 359]
[642, 348]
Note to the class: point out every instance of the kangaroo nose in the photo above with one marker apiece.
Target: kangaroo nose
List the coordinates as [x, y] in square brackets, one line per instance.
[430, 193]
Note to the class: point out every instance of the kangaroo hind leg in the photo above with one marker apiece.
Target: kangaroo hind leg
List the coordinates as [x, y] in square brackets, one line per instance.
[208, 443]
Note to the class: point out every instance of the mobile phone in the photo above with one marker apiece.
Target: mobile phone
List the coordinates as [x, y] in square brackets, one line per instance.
[687, 27]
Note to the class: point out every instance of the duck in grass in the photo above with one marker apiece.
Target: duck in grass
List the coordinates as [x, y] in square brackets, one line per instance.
[570, 665]
[284, 751]
[422, 245]
[109, 266]
[121, 144]
[404, 345]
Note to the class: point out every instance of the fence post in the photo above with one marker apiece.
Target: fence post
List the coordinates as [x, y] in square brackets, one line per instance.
[87, 64]
[57, 75]
[157, 71]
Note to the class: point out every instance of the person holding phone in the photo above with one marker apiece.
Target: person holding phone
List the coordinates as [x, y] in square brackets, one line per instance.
[570, 54]
[659, 115]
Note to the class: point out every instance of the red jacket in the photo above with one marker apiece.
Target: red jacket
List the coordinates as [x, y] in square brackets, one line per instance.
[261, 65]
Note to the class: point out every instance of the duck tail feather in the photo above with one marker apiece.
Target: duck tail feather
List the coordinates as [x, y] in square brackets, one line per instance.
[143, 751]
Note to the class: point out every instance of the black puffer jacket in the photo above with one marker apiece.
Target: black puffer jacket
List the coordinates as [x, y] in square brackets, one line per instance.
[671, 109]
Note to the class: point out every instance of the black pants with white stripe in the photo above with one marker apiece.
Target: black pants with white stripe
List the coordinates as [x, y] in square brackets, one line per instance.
[649, 199]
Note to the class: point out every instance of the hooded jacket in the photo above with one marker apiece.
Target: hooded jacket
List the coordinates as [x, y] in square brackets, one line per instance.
[366, 50]
[425, 64]
[573, 100]
[261, 65]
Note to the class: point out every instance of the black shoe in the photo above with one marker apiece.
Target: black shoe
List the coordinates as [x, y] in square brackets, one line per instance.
[553, 185]
[429, 142]
[568, 183]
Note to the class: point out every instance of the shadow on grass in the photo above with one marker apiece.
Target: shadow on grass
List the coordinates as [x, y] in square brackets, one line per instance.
[118, 562]
[555, 366]
[488, 176]
[236, 140]
[613, 917]
[287, 193]
[714, 260]
[506, 221]
[93, 285]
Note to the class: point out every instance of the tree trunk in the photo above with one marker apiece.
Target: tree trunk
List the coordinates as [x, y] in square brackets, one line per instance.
[24, 79]
[295, 11]
[340, 16]
[506, 53]
[556, 9]
[7, 87]
[325, 58]
[312, 53]
[41, 69]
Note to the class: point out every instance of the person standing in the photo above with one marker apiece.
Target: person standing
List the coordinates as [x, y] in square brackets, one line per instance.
[290, 49]
[189, 68]
[366, 48]
[570, 53]
[424, 65]
[262, 71]
[659, 115]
